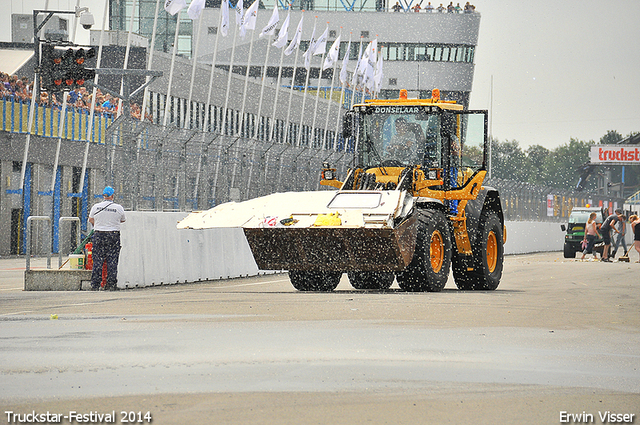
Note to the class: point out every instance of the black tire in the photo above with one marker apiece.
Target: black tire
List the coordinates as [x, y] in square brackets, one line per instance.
[429, 268]
[569, 252]
[371, 280]
[314, 280]
[488, 257]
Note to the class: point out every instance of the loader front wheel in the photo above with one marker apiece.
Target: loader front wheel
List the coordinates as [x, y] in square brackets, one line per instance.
[371, 280]
[429, 268]
[488, 257]
[316, 281]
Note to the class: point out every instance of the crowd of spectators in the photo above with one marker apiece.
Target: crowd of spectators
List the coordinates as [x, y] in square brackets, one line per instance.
[21, 89]
[468, 8]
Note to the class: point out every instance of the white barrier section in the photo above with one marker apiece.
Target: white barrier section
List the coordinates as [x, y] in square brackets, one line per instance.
[155, 252]
[524, 237]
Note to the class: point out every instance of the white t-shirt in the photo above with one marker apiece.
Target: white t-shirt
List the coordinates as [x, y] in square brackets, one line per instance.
[107, 216]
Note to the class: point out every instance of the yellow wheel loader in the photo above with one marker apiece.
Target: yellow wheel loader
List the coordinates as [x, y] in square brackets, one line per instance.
[413, 208]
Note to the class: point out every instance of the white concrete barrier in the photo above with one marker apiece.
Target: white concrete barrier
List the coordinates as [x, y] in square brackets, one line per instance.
[155, 252]
[524, 237]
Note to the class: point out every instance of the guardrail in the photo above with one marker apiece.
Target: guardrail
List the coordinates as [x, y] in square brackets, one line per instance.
[30, 220]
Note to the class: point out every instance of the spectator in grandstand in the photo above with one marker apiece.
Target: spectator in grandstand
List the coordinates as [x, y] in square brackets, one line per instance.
[416, 8]
[72, 98]
[429, 8]
[469, 8]
[396, 7]
[458, 8]
[441, 8]
[451, 8]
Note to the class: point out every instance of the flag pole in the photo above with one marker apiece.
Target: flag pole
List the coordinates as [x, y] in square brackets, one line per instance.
[206, 114]
[315, 109]
[333, 79]
[293, 78]
[306, 83]
[173, 61]
[93, 97]
[226, 98]
[193, 75]
[151, 50]
[246, 83]
[347, 54]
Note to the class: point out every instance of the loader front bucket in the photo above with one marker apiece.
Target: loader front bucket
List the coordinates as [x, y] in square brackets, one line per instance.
[333, 248]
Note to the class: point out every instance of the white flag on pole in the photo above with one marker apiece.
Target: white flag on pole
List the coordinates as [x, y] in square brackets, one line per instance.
[195, 9]
[321, 44]
[378, 76]
[239, 13]
[354, 79]
[332, 57]
[283, 34]
[249, 19]
[224, 25]
[273, 22]
[371, 64]
[296, 39]
[312, 45]
[362, 65]
[174, 6]
[343, 72]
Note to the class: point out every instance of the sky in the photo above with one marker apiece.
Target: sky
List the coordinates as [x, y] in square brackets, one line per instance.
[561, 69]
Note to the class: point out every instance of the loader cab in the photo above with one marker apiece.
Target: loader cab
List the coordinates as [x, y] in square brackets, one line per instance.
[413, 132]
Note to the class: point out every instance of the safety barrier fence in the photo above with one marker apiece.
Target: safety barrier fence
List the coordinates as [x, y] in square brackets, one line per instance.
[524, 201]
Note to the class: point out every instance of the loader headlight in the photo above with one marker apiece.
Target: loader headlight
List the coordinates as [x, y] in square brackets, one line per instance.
[328, 175]
[432, 175]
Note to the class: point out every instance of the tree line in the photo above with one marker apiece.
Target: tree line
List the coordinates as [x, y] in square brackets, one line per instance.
[560, 167]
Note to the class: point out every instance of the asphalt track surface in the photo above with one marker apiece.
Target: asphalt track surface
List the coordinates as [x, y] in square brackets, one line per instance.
[558, 337]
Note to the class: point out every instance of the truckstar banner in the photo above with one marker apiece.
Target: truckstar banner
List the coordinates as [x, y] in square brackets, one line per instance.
[615, 154]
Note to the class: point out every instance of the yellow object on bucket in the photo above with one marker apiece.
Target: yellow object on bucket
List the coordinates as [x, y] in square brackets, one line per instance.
[328, 220]
[76, 261]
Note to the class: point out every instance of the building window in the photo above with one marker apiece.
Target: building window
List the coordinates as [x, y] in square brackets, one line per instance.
[393, 81]
[364, 34]
[418, 52]
[332, 33]
[213, 30]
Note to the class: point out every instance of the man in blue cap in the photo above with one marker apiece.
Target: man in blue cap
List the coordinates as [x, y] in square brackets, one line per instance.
[106, 218]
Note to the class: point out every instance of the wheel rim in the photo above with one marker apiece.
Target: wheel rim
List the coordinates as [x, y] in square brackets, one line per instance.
[492, 252]
[436, 251]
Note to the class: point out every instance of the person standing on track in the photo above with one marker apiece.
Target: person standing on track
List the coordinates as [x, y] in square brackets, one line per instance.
[106, 218]
[635, 227]
[605, 230]
[590, 234]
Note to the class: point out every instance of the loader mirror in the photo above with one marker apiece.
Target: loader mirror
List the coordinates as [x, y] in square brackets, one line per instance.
[563, 227]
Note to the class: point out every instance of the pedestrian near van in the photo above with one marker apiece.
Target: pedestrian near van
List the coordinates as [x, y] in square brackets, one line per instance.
[635, 227]
[590, 234]
[606, 229]
[106, 218]
[619, 240]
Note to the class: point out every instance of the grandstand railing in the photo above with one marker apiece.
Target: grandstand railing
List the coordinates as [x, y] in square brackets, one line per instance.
[14, 118]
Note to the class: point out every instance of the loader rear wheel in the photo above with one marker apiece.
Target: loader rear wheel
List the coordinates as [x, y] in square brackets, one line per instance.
[371, 280]
[488, 256]
[316, 281]
[429, 268]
